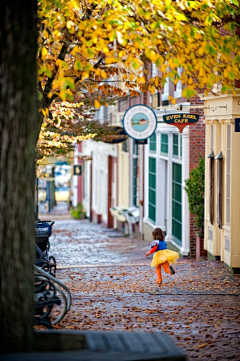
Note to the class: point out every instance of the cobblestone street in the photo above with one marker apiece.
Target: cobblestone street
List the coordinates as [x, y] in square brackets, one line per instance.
[113, 288]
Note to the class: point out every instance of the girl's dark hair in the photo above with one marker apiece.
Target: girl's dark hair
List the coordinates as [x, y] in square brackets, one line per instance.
[157, 233]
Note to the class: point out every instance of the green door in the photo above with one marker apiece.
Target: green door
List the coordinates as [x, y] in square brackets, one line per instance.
[152, 190]
[177, 203]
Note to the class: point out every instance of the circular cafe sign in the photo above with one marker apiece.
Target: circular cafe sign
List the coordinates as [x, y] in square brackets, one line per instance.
[139, 122]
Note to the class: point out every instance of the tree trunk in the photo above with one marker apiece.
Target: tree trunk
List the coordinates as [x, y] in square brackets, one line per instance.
[18, 135]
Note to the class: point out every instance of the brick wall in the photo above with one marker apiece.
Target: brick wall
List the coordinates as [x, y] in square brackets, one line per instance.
[196, 147]
[127, 102]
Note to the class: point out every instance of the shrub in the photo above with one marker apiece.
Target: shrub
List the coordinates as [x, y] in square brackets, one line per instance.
[78, 212]
[195, 191]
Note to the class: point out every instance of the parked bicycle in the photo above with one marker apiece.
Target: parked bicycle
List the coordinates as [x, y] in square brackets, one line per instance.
[49, 291]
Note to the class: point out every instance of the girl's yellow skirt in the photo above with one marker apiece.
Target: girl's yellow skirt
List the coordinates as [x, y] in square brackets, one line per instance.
[163, 256]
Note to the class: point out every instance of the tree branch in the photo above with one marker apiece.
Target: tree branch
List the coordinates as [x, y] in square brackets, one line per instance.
[49, 82]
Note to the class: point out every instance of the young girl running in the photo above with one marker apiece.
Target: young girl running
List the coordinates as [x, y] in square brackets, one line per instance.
[163, 256]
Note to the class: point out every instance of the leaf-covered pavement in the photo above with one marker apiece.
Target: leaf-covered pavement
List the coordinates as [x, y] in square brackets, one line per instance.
[199, 307]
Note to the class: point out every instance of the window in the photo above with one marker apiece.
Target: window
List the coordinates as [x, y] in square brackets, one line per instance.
[178, 87]
[154, 70]
[125, 146]
[165, 93]
[152, 190]
[180, 145]
[164, 143]
[152, 143]
[175, 145]
[135, 182]
[100, 114]
[228, 203]
[212, 139]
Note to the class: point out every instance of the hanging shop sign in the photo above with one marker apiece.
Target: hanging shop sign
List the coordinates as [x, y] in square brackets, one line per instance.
[139, 122]
[77, 169]
[180, 120]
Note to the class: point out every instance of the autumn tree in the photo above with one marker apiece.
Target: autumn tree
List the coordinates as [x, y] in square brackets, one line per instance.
[96, 49]
[87, 51]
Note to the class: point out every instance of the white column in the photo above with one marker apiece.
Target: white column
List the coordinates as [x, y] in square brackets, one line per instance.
[141, 160]
[185, 207]
[146, 185]
[131, 174]
[169, 189]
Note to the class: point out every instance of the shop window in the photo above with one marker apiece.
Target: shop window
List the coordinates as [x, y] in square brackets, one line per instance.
[175, 145]
[164, 143]
[152, 143]
[152, 190]
[181, 146]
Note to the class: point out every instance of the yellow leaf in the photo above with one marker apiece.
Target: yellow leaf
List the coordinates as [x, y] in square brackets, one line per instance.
[70, 24]
[152, 89]
[97, 104]
[103, 74]
[44, 53]
[131, 76]
[45, 34]
[173, 101]
[202, 345]
[110, 60]
[163, 68]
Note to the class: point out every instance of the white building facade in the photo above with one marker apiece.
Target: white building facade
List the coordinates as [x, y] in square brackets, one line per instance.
[166, 167]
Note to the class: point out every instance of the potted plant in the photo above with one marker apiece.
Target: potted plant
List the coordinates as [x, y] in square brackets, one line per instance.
[78, 212]
[194, 186]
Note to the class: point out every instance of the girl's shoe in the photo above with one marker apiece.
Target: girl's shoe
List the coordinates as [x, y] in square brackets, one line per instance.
[172, 270]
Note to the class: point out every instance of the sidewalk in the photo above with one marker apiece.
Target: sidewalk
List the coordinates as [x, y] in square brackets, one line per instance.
[60, 211]
[113, 289]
